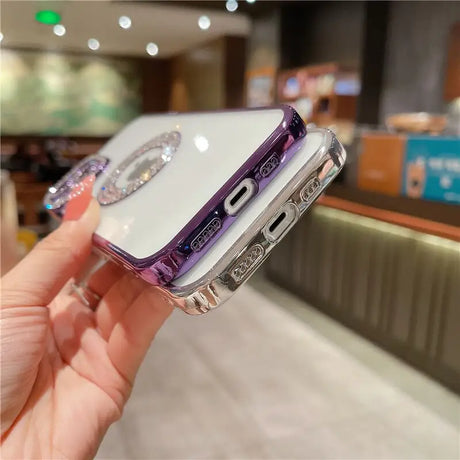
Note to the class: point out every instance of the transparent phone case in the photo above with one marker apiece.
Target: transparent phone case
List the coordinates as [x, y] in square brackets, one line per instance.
[171, 185]
[255, 244]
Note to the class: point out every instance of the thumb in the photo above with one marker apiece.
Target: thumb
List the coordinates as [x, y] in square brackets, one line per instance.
[46, 269]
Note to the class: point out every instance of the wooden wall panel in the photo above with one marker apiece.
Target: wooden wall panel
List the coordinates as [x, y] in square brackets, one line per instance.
[398, 287]
[235, 68]
[156, 84]
[452, 80]
[197, 78]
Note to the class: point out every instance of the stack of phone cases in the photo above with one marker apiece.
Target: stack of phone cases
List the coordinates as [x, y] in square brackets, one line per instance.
[193, 203]
[171, 185]
[238, 253]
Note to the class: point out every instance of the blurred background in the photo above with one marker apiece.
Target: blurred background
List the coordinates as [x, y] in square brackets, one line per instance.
[346, 344]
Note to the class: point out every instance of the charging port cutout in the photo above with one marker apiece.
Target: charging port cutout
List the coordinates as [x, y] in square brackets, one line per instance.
[240, 196]
[278, 221]
[281, 222]
[235, 199]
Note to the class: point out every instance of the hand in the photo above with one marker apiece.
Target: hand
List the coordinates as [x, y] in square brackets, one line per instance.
[67, 371]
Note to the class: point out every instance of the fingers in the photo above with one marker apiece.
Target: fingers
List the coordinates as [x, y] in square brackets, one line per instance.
[132, 335]
[116, 301]
[45, 270]
[105, 277]
[81, 346]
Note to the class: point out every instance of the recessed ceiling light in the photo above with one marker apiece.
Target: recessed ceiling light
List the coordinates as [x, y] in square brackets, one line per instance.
[124, 22]
[231, 5]
[59, 30]
[49, 17]
[93, 44]
[152, 49]
[1, 36]
[251, 1]
[204, 22]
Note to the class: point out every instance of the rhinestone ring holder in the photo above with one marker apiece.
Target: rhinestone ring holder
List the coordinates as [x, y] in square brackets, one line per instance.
[164, 146]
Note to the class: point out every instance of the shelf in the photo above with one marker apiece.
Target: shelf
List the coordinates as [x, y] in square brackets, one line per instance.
[6, 138]
[444, 221]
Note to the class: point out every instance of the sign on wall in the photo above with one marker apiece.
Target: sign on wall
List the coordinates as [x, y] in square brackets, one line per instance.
[432, 168]
[260, 87]
[59, 94]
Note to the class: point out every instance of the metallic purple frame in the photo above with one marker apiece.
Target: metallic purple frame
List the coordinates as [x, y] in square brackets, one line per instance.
[167, 264]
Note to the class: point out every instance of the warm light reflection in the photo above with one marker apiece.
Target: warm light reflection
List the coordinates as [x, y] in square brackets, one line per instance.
[386, 227]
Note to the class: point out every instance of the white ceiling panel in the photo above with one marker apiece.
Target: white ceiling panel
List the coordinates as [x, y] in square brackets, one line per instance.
[173, 28]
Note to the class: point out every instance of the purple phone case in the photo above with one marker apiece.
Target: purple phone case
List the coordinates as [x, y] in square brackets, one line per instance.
[178, 256]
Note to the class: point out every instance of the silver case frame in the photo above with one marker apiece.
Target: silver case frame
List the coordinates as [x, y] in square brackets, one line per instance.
[220, 283]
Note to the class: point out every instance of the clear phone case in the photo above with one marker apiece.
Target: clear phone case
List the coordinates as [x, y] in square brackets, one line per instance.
[171, 185]
[198, 294]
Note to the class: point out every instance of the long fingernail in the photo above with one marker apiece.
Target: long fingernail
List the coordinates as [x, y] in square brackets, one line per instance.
[80, 196]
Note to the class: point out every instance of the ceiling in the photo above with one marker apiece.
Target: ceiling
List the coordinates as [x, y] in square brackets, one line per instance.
[172, 26]
[256, 8]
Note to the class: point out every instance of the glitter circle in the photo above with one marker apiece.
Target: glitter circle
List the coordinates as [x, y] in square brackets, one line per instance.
[58, 194]
[164, 146]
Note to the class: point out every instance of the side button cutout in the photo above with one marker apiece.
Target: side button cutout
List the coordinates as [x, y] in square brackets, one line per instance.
[310, 189]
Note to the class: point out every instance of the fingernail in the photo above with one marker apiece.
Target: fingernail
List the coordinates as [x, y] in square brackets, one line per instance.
[80, 196]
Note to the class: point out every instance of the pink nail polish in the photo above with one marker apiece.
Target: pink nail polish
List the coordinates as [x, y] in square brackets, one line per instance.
[80, 198]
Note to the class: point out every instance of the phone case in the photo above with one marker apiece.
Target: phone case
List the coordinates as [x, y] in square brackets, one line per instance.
[171, 185]
[242, 250]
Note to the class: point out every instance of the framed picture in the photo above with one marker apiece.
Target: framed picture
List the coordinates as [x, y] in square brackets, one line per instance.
[55, 94]
[432, 168]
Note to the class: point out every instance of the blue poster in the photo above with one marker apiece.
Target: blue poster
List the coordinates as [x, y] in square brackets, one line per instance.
[432, 168]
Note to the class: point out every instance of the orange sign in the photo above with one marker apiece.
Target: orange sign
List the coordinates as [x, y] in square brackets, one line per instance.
[381, 163]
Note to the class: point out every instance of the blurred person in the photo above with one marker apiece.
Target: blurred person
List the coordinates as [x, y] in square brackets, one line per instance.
[49, 165]
[20, 160]
[46, 163]
[26, 158]
[69, 361]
